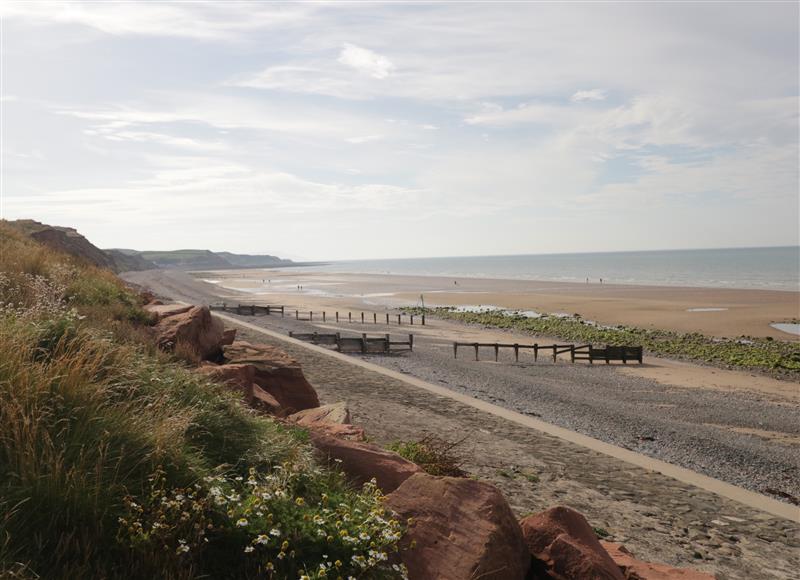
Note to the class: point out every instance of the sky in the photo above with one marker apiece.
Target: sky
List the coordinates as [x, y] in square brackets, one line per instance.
[366, 130]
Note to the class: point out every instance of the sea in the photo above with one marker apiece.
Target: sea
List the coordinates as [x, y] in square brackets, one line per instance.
[770, 268]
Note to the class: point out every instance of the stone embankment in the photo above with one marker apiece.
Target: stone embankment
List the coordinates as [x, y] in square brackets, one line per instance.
[458, 528]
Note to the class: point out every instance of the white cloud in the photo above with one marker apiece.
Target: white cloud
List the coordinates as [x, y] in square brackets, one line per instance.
[366, 61]
[590, 95]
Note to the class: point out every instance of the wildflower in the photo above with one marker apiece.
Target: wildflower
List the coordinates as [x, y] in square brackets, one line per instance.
[262, 539]
[241, 522]
[275, 532]
[248, 549]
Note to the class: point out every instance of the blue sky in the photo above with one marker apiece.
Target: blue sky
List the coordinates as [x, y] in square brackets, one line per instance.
[362, 130]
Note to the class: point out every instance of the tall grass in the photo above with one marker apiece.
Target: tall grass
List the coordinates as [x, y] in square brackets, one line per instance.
[111, 452]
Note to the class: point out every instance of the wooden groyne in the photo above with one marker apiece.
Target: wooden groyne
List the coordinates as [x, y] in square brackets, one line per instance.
[373, 318]
[362, 344]
[576, 352]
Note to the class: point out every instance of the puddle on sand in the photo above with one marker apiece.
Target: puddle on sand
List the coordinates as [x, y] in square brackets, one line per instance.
[787, 327]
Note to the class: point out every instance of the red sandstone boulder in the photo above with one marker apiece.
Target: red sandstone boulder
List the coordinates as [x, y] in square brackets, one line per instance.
[332, 419]
[194, 330]
[159, 310]
[276, 373]
[228, 336]
[363, 461]
[633, 569]
[242, 378]
[333, 413]
[460, 529]
[565, 547]
[260, 399]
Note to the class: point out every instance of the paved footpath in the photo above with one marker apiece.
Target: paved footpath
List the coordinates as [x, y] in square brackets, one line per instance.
[657, 517]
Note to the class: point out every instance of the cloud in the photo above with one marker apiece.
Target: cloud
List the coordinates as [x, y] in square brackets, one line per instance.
[590, 95]
[366, 61]
[203, 21]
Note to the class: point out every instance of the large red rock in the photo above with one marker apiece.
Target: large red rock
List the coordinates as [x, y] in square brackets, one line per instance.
[332, 419]
[633, 569]
[276, 373]
[228, 336]
[195, 330]
[460, 529]
[565, 547]
[363, 461]
[242, 378]
[159, 310]
[332, 413]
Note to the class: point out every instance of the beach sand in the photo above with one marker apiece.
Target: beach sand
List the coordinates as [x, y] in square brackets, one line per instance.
[711, 311]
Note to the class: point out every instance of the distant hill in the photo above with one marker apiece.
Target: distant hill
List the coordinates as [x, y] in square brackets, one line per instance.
[202, 259]
[69, 241]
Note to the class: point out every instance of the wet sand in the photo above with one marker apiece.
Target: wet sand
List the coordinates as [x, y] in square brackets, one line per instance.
[710, 311]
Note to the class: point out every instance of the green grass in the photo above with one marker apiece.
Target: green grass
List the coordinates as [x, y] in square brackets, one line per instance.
[433, 454]
[119, 461]
[775, 357]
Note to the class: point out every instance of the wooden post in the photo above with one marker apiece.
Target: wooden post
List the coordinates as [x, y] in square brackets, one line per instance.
[412, 320]
[554, 352]
[516, 352]
[339, 342]
[297, 314]
[350, 317]
[374, 318]
[283, 311]
[386, 346]
[411, 342]
[364, 343]
[535, 352]
[290, 334]
[496, 351]
[572, 353]
[323, 316]
[624, 358]
[310, 315]
[337, 316]
[455, 350]
[476, 351]
[362, 318]
[387, 318]
[398, 320]
[423, 320]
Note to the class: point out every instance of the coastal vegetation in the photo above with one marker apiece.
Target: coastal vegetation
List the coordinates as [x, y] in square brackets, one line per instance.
[119, 461]
[775, 357]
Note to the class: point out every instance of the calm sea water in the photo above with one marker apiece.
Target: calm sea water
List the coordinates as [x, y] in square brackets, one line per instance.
[765, 268]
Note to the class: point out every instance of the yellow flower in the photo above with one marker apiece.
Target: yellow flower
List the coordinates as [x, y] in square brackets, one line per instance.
[300, 501]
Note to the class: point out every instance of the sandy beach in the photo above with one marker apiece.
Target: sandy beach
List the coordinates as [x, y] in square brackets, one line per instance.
[710, 311]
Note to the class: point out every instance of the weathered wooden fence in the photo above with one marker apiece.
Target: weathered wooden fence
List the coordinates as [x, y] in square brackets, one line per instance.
[251, 309]
[576, 352]
[362, 344]
[309, 315]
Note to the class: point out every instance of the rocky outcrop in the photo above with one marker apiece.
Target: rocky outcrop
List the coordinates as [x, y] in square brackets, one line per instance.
[66, 240]
[564, 547]
[460, 528]
[229, 336]
[276, 373]
[159, 311]
[194, 330]
[633, 569]
[333, 413]
[363, 461]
